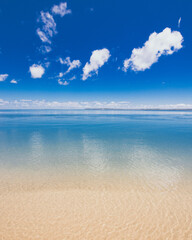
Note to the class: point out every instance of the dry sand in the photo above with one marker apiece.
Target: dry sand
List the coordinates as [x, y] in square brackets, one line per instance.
[37, 206]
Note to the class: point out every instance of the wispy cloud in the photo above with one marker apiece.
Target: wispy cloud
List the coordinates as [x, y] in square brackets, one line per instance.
[45, 49]
[72, 78]
[48, 27]
[3, 77]
[63, 82]
[97, 60]
[164, 43]
[61, 9]
[72, 65]
[179, 22]
[36, 71]
[43, 36]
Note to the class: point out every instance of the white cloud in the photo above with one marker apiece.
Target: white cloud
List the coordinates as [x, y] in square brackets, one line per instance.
[61, 61]
[3, 77]
[44, 38]
[4, 102]
[36, 71]
[47, 64]
[61, 74]
[63, 82]
[164, 43]
[45, 49]
[13, 81]
[179, 22]
[48, 27]
[61, 9]
[72, 65]
[72, 78]
[43, 104]
[97, 60]
[48, 24]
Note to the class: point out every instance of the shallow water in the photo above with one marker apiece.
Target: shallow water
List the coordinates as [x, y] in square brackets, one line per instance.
[95, 174]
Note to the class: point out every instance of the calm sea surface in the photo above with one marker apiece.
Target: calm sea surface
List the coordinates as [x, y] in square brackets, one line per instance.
[95, 175]
[142, 143]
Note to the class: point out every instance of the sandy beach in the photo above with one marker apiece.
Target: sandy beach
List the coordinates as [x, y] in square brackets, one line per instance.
[53, 207]
[95, 120]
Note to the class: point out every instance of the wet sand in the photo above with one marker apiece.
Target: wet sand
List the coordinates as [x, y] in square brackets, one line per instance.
[60, 206]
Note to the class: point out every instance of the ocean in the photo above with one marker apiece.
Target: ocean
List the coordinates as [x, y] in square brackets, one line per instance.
[129, 165]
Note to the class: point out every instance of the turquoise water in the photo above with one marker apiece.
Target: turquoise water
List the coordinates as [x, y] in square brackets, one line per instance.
[95, 174]
[142, 143]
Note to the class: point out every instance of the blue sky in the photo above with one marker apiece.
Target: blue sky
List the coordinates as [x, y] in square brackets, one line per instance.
[58, 53]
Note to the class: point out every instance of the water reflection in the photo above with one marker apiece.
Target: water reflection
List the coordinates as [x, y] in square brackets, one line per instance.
[149, 163]
[152, 148]
[37, 153]
[95, 158]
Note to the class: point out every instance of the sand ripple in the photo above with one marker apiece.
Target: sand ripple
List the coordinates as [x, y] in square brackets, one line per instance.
[91, 209]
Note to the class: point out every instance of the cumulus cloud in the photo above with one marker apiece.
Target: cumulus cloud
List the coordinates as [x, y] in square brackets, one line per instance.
[61, 9]
[72, 65]
[13, 81]
[97, 60]
[3, 77]
[36, 71]
[164, 43]
[179, 22]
